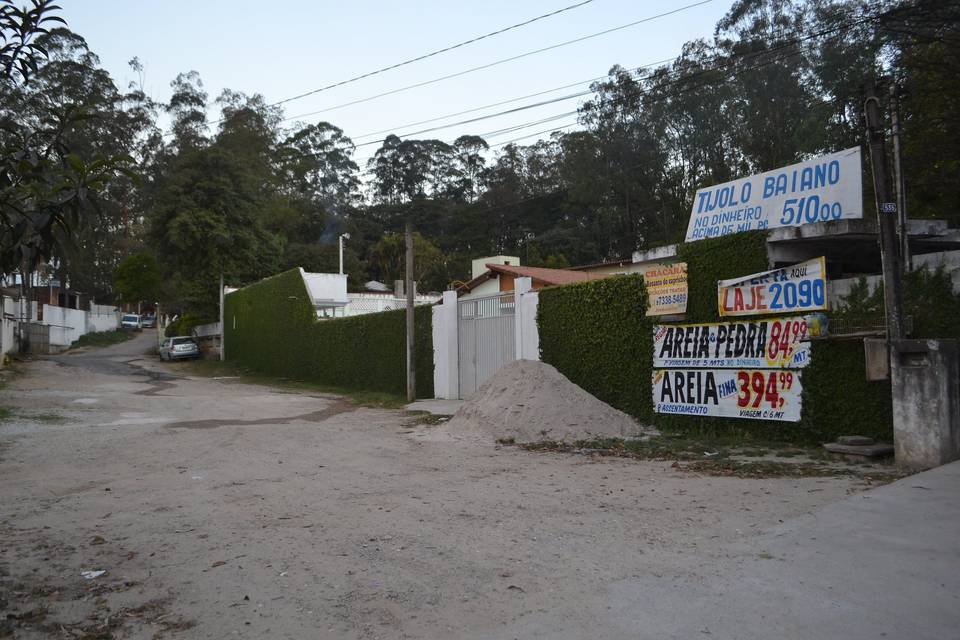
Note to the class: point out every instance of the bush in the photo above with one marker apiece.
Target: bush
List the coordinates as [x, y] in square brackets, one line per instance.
[183, 326]
[271, 327]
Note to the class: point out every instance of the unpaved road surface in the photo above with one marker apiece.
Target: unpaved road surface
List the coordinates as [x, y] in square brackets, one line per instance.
[223, 510]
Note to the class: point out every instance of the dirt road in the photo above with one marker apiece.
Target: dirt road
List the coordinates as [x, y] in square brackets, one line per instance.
[223, 510]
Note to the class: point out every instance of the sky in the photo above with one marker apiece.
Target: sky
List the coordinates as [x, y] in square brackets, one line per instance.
[285, 48]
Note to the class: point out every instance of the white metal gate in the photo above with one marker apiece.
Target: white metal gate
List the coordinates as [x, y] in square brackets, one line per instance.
[486, 330]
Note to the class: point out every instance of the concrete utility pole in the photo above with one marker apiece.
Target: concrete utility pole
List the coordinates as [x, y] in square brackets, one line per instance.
[343, 236]
[886, 220]
[221, 318]
[411, 365]
[898, 179]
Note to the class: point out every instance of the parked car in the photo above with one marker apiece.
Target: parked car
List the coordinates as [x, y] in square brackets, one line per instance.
[179, 348]
[131, 322]
[149, 322]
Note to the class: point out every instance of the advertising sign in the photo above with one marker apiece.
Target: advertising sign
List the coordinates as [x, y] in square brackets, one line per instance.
[771, 343]
[728, 393]
[667, 288]
[824, 188]
[801, 287]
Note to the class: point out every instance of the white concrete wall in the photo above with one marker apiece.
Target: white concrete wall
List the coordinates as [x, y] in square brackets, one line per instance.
[947, 260]
[66, 325]
[326, 287]
[525, 335]
[530, 335]
[489, 288]
[446, 348]
[102, 317]
[479, 266]
[9, 312]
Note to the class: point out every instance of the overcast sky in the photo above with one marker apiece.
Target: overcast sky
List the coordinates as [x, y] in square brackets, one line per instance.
[287, 47]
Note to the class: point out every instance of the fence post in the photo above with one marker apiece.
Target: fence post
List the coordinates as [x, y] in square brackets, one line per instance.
[520, 287]
[447, 349]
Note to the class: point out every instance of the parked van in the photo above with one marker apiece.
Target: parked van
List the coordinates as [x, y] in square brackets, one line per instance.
[131, 322]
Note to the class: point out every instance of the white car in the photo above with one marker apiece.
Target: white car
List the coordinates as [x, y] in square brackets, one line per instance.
[179, 348]
[131, 322]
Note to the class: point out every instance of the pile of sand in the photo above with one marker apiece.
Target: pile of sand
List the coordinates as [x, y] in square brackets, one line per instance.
[531, 401]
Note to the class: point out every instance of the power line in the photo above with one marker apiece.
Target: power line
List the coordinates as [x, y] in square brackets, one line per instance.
[682, 77]
[728, 61]
[433, 53]
[418, 58]
[505, 60]
[503, 102]
[477, 68]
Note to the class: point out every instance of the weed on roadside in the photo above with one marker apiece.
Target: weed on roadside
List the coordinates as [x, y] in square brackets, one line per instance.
[723, 457]
[424, 418]
[101, 338]
[232, 373]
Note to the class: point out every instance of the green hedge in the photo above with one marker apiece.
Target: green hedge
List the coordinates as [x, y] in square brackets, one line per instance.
[271, 328]
[596, 333]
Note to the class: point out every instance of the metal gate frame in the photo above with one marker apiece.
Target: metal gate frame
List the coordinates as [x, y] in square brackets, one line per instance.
[485, 335]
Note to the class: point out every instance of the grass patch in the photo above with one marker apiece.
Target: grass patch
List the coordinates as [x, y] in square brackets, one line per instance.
[50, 418]
[218, 369]
[723, 456]
[424, 418]
[7, 414]
[102, 338]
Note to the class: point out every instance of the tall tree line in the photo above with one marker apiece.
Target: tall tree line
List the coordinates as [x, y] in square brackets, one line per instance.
[232, 188]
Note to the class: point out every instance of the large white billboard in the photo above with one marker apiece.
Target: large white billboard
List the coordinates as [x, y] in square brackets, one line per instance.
[818, 190]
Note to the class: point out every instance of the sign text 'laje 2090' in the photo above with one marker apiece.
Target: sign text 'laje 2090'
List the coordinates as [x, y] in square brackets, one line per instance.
[800, 287]
[730, 393]
[818, 190]
[754, 344]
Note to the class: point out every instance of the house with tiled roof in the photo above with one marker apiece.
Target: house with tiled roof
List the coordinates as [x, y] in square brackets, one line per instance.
[497, 275]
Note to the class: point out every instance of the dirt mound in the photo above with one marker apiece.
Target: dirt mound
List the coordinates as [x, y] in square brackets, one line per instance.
[531, 401]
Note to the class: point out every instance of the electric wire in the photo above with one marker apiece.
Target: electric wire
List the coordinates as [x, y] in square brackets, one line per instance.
[432, 53]
[471, 69]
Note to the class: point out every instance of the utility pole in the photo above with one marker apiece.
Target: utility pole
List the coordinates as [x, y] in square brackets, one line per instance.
[886, 210]
[898, 180]
[222, 331]
[343, 236]
[411, 365]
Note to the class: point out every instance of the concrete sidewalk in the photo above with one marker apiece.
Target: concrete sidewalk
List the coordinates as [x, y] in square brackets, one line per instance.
[885, 563]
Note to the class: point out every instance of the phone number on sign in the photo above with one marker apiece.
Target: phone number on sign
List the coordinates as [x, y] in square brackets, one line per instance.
[679, 298]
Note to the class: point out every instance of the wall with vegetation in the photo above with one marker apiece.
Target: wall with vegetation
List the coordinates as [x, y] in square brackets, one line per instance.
[596, 333]
[271, 328]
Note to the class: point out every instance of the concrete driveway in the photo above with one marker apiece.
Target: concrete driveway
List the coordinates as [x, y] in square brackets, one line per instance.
[220, 510]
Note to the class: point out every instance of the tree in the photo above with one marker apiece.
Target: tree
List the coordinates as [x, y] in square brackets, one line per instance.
[49, 183]
[388, 260]
[138, 278]
[316, 161]
[109, 124]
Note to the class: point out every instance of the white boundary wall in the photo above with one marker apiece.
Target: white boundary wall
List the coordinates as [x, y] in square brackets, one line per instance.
[9, 315]
[102, 317]
[446, 382]
[66, 325]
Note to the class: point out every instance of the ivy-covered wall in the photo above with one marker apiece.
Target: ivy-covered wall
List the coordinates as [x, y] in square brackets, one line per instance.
[597, 335]
[271, 327]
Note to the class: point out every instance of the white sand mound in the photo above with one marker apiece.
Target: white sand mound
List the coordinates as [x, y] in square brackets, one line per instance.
[533, 402]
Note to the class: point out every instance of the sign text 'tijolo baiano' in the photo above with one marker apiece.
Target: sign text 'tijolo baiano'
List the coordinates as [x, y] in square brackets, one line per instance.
[818, 190]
